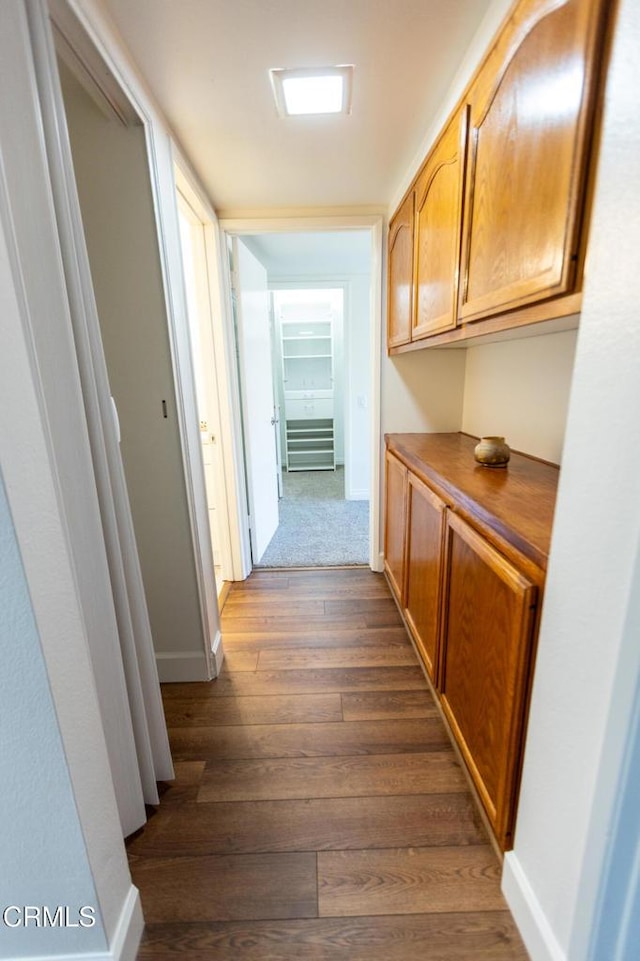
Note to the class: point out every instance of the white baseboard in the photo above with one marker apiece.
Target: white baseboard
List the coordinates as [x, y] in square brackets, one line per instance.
[535, 930]
[126, 939]
[181, 666]
[218, 653]
[358, 494]
[379, 566]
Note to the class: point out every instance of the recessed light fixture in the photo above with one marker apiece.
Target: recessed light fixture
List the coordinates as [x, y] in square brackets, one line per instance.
[312, 90]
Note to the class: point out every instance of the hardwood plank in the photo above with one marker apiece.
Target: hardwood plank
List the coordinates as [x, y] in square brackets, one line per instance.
[227, 888]
[380, 705]
[301, 658]
[314, 582]
[276, 640]
[373, 595]
[241, 660]
[262, 581]
[334, 575]
[356, 605]
[478, 936]
[266, 605]
[302, 682]
[309, 740]
[388, 618]
[323, 777]
[321, 824]
[185, 786]
[293, 622]
[277, 709]
[408, 881]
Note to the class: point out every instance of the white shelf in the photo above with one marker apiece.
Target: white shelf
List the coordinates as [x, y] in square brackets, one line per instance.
[308, 394]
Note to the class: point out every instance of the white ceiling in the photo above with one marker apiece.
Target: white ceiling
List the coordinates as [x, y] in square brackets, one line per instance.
[207, 63]
[323, 253]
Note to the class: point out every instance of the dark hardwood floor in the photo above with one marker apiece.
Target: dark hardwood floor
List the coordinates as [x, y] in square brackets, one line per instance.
[318, 811]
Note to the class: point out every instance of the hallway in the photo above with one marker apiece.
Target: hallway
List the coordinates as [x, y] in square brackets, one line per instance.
[319, 811]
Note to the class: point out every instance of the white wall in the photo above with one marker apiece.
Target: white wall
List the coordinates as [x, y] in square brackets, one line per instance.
[44, 860]
[520, 389]
[61, 830]
[569, 782]
[111, 169]
[423, 391]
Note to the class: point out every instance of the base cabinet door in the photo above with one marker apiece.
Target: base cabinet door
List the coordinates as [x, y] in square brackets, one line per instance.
[424, 560]
[396, 483]
[486, 649]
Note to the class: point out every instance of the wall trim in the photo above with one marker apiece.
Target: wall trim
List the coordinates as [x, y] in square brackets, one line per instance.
[126, 940]
[531, 920]
[182, 666]
[358, 494]
[218, 653]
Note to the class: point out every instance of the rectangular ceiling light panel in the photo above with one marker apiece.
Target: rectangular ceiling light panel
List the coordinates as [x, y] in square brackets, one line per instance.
[312, 90]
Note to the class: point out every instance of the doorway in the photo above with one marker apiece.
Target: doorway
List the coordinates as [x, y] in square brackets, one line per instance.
[193, 222]
[318, 319]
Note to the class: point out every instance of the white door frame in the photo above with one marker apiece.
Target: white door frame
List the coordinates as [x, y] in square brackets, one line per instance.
[211, 346]
[257, 396]
[374, 224]
[161, 161]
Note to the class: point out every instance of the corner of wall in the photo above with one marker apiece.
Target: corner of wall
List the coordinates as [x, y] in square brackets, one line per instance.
[528, 914]
[180, 666]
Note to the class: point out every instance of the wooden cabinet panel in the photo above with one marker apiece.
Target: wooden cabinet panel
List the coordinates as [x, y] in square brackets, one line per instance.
[531, 108]
[396, 484]
[437, 231]
[400, 274]
[425, 530]
[486, 649]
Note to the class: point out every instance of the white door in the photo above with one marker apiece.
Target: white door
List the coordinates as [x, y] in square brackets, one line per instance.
[258, 406]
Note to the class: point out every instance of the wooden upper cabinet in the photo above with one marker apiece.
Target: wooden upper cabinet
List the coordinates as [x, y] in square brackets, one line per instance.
[531, 109]
[395, 524]
[424, 555]
[486, 652]
[400, 275]
[437, 231]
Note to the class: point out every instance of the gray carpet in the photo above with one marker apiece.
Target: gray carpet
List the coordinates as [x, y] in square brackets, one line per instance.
[318, 527]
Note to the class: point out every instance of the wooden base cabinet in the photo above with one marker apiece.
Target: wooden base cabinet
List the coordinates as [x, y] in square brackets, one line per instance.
[488, 617]
[466, 554]
[424, 563]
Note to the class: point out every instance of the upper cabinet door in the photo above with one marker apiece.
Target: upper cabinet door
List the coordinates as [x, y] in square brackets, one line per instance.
[531, 107]
[437, 233]
[400, 286]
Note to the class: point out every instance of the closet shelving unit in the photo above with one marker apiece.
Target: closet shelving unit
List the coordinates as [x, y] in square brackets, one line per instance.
[307, 375]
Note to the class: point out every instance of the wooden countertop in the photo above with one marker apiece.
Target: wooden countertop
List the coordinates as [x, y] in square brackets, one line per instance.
[516, 502]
